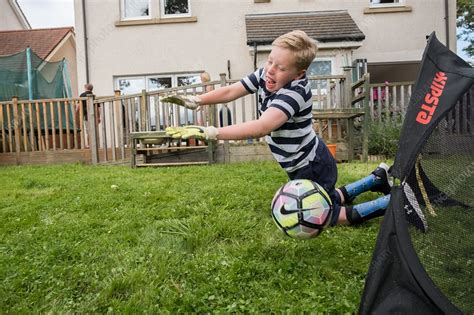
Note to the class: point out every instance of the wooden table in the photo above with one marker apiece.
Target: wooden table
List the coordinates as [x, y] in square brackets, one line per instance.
[148, 142]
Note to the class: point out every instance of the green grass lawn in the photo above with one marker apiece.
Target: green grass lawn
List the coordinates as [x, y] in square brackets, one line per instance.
[88, 239]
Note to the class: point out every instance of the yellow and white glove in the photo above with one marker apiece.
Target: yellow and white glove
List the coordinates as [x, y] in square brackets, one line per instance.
[188, 101]
[198, 132]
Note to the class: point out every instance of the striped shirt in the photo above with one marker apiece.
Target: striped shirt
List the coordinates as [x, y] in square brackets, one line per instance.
[294, 144]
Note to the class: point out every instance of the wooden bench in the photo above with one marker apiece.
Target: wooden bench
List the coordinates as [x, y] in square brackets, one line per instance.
[157, 143]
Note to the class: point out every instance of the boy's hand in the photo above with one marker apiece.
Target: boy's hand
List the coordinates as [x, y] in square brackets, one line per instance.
[188, 101]
[198, 132]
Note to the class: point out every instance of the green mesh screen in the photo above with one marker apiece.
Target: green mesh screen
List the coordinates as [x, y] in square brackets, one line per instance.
[27, 76]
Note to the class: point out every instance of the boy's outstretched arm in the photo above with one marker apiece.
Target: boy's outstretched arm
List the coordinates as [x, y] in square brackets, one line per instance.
[270, 120]
[223, 94]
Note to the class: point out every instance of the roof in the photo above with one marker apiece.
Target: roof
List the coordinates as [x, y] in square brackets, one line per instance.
[323, 26]
[41, 41]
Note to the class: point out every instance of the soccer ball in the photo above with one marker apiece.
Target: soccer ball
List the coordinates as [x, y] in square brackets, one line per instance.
[301, 209]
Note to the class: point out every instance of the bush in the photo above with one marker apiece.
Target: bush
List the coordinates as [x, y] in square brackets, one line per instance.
[383, 137]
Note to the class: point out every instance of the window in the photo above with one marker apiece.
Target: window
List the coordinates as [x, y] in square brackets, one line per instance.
[188, 80]
[175, 8]
[159, 83]
[149, 12]
[319, 67]
[387, 6]
[133, 85]
[382, 3]
[130, 85]
[135, 9]
[320, 87]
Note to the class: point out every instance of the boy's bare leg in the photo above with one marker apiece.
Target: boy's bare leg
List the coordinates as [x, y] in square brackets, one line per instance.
[342, 220]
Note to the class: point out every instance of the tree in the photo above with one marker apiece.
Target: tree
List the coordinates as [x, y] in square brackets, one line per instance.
[465, 23]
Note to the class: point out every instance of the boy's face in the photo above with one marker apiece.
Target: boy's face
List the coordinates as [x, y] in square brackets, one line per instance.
[281, 69]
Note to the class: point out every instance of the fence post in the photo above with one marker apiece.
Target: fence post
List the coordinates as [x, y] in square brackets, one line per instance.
[367, 119]
[347, 87]
[224, 122]
[91, 117]
[119, 123]
[16, 127]
[143, 109]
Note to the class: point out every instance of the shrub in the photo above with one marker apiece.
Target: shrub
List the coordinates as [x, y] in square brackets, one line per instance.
[383, 137]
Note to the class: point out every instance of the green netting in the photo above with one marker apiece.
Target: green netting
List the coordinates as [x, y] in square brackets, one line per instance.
[29, 77]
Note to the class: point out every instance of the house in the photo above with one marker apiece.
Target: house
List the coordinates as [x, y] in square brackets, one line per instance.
[49, 44]
[150, 44]
[12, 17]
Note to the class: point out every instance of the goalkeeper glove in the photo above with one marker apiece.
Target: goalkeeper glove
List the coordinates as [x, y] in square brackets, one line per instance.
[188, 101]
[198, 132]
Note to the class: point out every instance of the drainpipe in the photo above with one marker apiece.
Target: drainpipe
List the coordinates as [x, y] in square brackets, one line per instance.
[255, 68]
[85, 39]
[254, 56]
[446, 19]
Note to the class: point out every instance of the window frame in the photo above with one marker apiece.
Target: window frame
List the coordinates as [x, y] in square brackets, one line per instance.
[135, 77]
[322, 89]
[400, 3]
[163, 15]
[125, 18]
[186, 75]
[183, 115]
[332, 60]
[146, 77]
[158, 76]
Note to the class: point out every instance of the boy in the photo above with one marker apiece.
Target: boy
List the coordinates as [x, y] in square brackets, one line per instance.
[285, 105]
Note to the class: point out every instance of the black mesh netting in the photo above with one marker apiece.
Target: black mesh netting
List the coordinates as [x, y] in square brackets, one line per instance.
[440, 186]
[423, 259]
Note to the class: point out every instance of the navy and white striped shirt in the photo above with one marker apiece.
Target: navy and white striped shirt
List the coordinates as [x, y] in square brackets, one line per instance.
[293, 144]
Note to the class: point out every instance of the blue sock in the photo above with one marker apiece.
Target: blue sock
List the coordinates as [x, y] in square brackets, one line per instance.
[356, 188]
[367, 210]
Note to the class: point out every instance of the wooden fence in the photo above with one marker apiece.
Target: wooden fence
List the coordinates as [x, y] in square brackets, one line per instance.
[28, 128]
[389, 101]
[380, 103]
[59, 129]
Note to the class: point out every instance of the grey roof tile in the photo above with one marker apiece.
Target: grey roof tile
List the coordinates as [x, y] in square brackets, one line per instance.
[323, 26]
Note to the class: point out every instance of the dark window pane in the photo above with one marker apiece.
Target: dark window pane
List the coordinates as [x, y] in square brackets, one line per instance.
[176, 6]
[159, 83]
[188, 80]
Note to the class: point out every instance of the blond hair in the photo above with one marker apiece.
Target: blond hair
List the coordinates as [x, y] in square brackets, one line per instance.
[303, 47]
